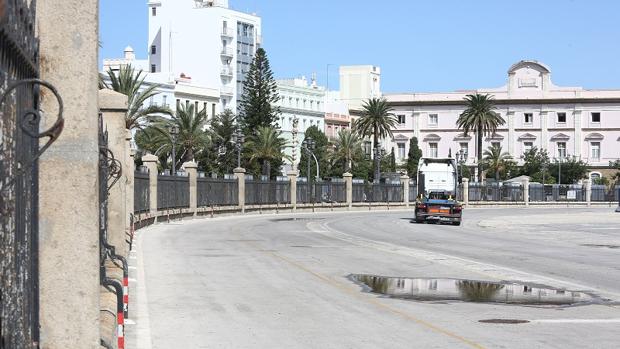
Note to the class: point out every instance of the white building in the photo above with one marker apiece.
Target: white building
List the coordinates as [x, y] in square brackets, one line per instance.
[303, 101]
[173, 91]
[206, 40]
[358, 83]
[566, 121]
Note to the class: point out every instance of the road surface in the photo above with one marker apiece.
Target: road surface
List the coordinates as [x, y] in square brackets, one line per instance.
[283, 281]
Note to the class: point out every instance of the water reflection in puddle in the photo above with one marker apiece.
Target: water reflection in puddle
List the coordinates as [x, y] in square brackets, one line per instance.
[425, 289]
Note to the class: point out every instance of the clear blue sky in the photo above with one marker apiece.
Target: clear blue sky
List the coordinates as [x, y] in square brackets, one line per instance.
[438, 45]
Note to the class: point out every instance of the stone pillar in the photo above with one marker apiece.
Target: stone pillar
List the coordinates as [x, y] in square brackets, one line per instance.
[192, 171]
[526, 192]
[68, 186]
[404, 180]
[130, 170]
[113, 107]
[150, 161]
[348, 180]
[240, 175]
[588, 184]
[465, 191]
[292, 177]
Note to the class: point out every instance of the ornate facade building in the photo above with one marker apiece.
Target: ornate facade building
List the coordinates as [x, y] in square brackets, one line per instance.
[566, 121]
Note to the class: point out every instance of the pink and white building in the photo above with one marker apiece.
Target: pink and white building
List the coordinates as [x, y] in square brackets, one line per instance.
[566, 121]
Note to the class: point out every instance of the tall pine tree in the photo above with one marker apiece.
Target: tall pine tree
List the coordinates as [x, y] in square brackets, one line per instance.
[413, 158]
[258, 103]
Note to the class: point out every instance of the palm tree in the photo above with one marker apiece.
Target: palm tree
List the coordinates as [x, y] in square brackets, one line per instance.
[131, 84]
[480, 118]
[496, 160]
[347, 148]
[377, 121]
[266, 146]
[191, 137]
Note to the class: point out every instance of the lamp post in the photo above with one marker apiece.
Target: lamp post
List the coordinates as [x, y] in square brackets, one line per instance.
[174, 132]
[238, 139]
[308, 145]
[461, 158]
[378, 157]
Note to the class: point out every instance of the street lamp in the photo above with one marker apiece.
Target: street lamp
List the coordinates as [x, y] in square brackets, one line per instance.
[238, 139]
[378, 157]
[461, 158]
[174, 132]
[308, 145]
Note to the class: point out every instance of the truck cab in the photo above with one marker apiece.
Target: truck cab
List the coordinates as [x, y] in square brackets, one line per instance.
[437, 188]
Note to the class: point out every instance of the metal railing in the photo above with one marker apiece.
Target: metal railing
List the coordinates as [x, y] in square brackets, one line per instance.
[267, 192]
[217, 192]
[378, 192]
[141, 192]
[172, 192]
[332, 191]
[556, 192]
[507, 192]
[602, 193]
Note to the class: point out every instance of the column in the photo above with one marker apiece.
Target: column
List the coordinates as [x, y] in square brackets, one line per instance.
[578, 137]
[510, 115]
[240, 175]
[192, 172]
[526, 191]
[113, 106]
[465, 192]
[292, 177]
[150, 161]
[68, 171]
[544, 124]
[348, 180]
[588, 185]
[404, 180]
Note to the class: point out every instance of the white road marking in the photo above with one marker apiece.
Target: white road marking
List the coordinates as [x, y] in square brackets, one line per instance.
[143, 328]
[495, 271]
[576, 321]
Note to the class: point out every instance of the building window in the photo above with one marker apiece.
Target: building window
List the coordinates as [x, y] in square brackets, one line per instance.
[596, 117]
[433, 150]
[401, 119]
[367, 148]
[196, 107]
[178, 104]
[528, 118]
[186, 104]
[561, 149]
[596, 150]
[213, 109]
[153, 11]
[153, 68]
[561, 118]
[465, 148]
[401, 151]
[204, 107]
[433, 119]
[495, 144]
[165, 98]
[527, 146]
[153, 50]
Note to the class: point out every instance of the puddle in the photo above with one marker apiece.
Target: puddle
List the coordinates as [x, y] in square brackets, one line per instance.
[277, 220]
[426, 289]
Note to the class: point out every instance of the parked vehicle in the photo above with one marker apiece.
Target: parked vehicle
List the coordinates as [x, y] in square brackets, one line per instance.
[437, 185]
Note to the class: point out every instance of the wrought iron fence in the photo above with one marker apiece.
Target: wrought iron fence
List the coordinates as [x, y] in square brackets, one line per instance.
[217, 192]
[172, 192]
[556, 192]
[141, 192]
[304, 194]
[495, 192]
[332, 191]
[359, 191]
[603, 193]
[267, 192]
[378, 192]
[19, 174]
[413, 190]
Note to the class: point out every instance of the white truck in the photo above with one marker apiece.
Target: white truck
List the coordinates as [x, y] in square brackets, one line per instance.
[437, 190]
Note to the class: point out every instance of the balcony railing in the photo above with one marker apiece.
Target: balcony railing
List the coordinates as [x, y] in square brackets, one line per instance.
[226, 71]
[227, 52]
[227, 32]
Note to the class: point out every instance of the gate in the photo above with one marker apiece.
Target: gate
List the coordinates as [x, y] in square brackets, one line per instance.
[19, 173]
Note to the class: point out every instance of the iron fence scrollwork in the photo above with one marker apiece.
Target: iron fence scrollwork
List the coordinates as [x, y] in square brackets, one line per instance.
[20, 118]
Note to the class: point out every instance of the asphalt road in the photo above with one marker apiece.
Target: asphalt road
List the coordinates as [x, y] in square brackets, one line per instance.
[282, 281]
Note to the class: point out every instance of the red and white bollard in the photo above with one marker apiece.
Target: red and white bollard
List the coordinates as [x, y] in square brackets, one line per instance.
[120, 330]
[126, 296]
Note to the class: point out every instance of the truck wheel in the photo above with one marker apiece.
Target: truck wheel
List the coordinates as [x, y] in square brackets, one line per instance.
[456, 223]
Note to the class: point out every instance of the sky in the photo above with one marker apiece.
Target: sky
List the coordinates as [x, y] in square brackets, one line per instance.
[421, 46]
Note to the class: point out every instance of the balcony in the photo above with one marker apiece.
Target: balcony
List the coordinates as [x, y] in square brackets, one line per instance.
[226, 91]
[227, 33]
[226, 71]
[227, 52]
